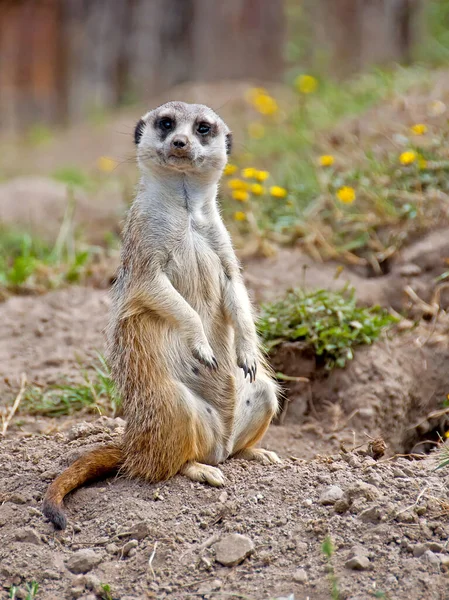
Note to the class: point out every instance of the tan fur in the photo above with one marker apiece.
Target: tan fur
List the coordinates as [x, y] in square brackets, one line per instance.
[182, 337]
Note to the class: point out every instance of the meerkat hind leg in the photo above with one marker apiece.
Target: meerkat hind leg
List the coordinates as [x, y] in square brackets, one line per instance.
[257, 406]
[203, 473]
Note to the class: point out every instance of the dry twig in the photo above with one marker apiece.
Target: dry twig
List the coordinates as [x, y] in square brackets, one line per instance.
[6, 420]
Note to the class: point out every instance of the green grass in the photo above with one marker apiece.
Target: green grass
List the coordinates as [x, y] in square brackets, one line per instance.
[327, 549]
[330, 322]
[96, 392]
[30, 588]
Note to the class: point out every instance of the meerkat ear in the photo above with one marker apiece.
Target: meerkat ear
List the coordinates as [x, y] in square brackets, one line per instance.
[138, 131]
[228, 143]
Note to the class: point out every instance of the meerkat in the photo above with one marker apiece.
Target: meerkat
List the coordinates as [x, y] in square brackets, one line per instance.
[182, 343]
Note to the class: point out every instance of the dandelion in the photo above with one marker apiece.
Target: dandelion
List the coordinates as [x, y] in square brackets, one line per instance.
[261, 175]
[278, 192]
[237, 184]
[346, 194]
[106, 164]
[257, 189]
[419, 129]
[256, 131]
[249, 173]
[240, 195]
[230, 169]
[266, 105]
[306, 84]
[239, 216]
[408, 157]
[326, 160]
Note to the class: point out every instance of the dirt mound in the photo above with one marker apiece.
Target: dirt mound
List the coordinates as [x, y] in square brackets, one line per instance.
[160, 541]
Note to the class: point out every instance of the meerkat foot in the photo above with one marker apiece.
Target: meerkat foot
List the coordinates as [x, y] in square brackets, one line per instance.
[266, 457]
[203, 473]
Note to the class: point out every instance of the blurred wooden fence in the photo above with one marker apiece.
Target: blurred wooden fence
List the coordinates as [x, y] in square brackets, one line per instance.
[62, 59]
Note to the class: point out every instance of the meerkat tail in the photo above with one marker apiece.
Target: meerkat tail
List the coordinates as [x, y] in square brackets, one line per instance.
[93, 465]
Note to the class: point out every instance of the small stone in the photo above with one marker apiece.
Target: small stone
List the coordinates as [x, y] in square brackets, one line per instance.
[112, 548]
[128, 547]
[83, 561]
[27, 536]
[300, 576]
[341, 506]
[132, 552]
[430, 557]
[289, 597]
[232, 549]
[140, 531]
[223, 497]
[17, 498]
[409, 270]
[358, 563]
[302, 548]
[81, 430]
[93, 584]
[331, 495]
[50, 574]
[435, 546]
[373, 514]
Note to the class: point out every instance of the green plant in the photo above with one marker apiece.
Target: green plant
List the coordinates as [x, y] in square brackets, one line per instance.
[30, 588]
[330, 322]
[95, 392]
[443, 457]
[106, 592]
[327, 548]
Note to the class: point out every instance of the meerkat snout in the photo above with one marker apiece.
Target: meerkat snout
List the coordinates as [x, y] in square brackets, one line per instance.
[183, 137]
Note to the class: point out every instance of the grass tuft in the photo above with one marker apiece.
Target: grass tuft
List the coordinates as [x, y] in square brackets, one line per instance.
[330, 322]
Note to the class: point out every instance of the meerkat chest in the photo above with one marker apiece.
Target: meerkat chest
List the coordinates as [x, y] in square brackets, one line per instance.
[194, 268]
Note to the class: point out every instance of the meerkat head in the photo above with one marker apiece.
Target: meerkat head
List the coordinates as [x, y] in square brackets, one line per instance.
[183, 137]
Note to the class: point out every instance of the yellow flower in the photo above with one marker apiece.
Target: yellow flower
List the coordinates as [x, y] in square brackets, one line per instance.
[419, 129]
[237, 184]
[326, 160]
[257, 189]
[240, 195]
[266, 105]
[249, 173]
[230, 169]
[306, 84]
[256, 131]
[106, 164]
[408, 157]
[278, 192]
[261, 175]
[239, 216]
[346, 194]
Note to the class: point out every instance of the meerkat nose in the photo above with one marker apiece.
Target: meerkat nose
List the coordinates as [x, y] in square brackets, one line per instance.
[180, 141]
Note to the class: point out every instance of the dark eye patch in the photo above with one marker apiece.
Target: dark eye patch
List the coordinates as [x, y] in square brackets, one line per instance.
[166, 124]
[203, 128]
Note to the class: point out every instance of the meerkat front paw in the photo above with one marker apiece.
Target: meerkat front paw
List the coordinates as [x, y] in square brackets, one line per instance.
[247, 360]
[266, 457]
[204, 353]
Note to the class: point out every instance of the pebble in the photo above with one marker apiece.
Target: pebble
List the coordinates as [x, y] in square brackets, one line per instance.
[28, 536]
[112, 548]
[128, 547]
[444, 559]
[357, 563]
[140, 531]
[330, 495]
[300, 576]
[232, 549]
[373, 514]
[290, 597]
[81, 430]
[83, 561]
[430, 557]
[302, 548]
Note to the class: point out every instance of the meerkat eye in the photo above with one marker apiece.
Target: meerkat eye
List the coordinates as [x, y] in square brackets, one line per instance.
[166, 124]
[203, 128]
